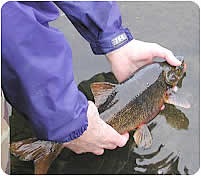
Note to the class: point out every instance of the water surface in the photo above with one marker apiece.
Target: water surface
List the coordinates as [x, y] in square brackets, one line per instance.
[175, 131]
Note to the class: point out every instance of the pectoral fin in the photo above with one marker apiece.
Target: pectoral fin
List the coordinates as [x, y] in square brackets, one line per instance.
[177, 99]
[41, 152]
[142, 137]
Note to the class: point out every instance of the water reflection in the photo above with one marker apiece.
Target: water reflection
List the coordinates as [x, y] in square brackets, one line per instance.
[143, 164]
[112, 162]
[126, 160]
[175, 117]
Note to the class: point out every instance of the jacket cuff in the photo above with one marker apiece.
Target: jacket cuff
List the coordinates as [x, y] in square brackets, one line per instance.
[75, 134]
[115, 41]
[62, 137]
[77, 126]
[64, 130]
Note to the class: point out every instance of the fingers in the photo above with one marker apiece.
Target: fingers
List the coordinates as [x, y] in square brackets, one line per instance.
[98, 136]
[92, 109]
[162, 52]
[123, 140]
[171, 59]
[109, 146]
[98, 152]
[120, 140]
[163, 107]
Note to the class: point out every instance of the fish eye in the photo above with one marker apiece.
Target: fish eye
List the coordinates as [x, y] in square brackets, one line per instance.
[171, 78]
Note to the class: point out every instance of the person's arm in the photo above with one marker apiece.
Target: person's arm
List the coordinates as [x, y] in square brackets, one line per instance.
[99, 23]
[37, 75]
[37, 79]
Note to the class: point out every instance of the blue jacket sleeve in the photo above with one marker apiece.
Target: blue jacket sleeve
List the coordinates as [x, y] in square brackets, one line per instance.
[37, 75]
[99, 23]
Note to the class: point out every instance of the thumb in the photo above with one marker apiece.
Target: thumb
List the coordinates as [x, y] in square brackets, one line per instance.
[123, 139]
[171, 59]
[166, 54]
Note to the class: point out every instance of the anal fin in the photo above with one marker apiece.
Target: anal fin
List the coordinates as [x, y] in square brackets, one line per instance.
[142, 137]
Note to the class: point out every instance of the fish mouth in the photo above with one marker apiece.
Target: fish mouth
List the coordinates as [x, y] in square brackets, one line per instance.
[177, 73]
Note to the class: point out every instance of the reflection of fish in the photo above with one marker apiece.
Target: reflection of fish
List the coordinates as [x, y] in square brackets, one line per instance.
[125, 107]
[175, 117]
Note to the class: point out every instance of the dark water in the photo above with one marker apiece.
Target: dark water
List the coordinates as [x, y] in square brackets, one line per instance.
[175, 131]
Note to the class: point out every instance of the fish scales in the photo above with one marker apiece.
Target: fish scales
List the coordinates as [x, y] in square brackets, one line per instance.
[129, 113]
[130, 89]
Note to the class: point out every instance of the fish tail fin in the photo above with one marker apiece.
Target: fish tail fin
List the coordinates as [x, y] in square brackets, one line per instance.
[43, 153]
[142, 137]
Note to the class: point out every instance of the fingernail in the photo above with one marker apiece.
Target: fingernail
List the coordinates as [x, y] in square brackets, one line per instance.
[124, 140]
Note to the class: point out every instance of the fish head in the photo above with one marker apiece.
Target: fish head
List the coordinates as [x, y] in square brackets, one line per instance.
[174, 74]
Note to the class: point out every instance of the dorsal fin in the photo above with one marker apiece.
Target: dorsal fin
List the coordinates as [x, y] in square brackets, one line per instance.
[101, 90]
[41, 152]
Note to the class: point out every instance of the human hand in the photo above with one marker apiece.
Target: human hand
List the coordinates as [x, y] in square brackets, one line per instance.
[135, 54]
[98, 136]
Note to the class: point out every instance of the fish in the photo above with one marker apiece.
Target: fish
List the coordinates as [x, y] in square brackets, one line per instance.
[127, 106]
